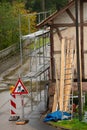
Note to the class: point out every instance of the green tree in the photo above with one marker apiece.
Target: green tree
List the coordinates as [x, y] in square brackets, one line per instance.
[60, 3]
[36, 5]
[9, 23]
[33, 5]
[6, 22]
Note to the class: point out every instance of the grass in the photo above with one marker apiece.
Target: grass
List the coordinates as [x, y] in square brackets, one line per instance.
[73, 124]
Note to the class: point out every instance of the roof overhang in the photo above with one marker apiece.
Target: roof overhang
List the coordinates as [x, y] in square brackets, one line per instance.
[49, 19]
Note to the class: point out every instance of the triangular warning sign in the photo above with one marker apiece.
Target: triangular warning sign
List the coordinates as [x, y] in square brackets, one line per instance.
[20, 88]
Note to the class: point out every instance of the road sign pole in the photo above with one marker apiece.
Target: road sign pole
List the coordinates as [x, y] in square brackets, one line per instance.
[21, 90]
[22, 120]
[22, 105]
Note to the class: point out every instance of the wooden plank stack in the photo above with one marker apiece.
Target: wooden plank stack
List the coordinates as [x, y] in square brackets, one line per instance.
[63, 88]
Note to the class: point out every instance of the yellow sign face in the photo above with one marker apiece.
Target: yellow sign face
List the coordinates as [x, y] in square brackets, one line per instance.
[11, 89]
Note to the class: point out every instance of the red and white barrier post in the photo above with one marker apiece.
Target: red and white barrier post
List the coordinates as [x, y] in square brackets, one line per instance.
[13, 116]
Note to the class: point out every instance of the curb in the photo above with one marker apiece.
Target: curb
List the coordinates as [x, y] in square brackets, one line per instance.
[59, 127]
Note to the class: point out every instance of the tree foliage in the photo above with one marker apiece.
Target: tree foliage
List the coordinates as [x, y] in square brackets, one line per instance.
[60, 3]
[9, 17]
[37, 5]
[6, 29]
[9, 22]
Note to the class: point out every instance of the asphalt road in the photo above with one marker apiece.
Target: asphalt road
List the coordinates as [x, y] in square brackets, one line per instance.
[35, 117]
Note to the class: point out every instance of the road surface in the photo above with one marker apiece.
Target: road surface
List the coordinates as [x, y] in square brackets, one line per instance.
[35, 117]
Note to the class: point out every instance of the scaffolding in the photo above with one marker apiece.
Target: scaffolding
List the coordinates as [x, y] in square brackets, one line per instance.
[38, 53]
[38, 66]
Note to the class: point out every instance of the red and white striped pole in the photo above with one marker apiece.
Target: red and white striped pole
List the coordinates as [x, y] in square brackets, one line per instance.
[13, 105]
[13, 116]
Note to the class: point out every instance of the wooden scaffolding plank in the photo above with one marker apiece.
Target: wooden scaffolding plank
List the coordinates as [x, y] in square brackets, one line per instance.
[56, 95]
[62, 75]
[68, 73]
[63, 88]
[55, 103]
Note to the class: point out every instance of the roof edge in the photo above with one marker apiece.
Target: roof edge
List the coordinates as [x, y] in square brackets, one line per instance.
[53, 15]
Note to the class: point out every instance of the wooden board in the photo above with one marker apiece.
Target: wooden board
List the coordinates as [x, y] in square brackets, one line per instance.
[62, 75]
[56, 95]
[64, 87]
[68, 75]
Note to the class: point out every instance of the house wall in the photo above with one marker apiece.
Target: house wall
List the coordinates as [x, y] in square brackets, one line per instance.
[85, 11]
[70, 33]
[65, 18]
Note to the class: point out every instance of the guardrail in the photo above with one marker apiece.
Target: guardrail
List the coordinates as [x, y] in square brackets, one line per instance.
[8, 50]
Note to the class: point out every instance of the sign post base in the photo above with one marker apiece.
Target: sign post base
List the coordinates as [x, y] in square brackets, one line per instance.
[14, 118]
[22, 121]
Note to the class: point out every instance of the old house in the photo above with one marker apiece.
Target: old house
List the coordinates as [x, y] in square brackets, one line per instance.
[62, 25]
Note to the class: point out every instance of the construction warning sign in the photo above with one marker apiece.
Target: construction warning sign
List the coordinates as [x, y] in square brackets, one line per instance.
[20, 88]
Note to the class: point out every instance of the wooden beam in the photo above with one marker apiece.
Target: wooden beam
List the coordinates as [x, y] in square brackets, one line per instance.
[67, 25]
[78, 64]
[57, 52]
[84, 0]
[63, 25]
[56, 95]
[84, 24]
[51, 53]
[71, 15]
[62, 75]
[59, 33]
[82, 37]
